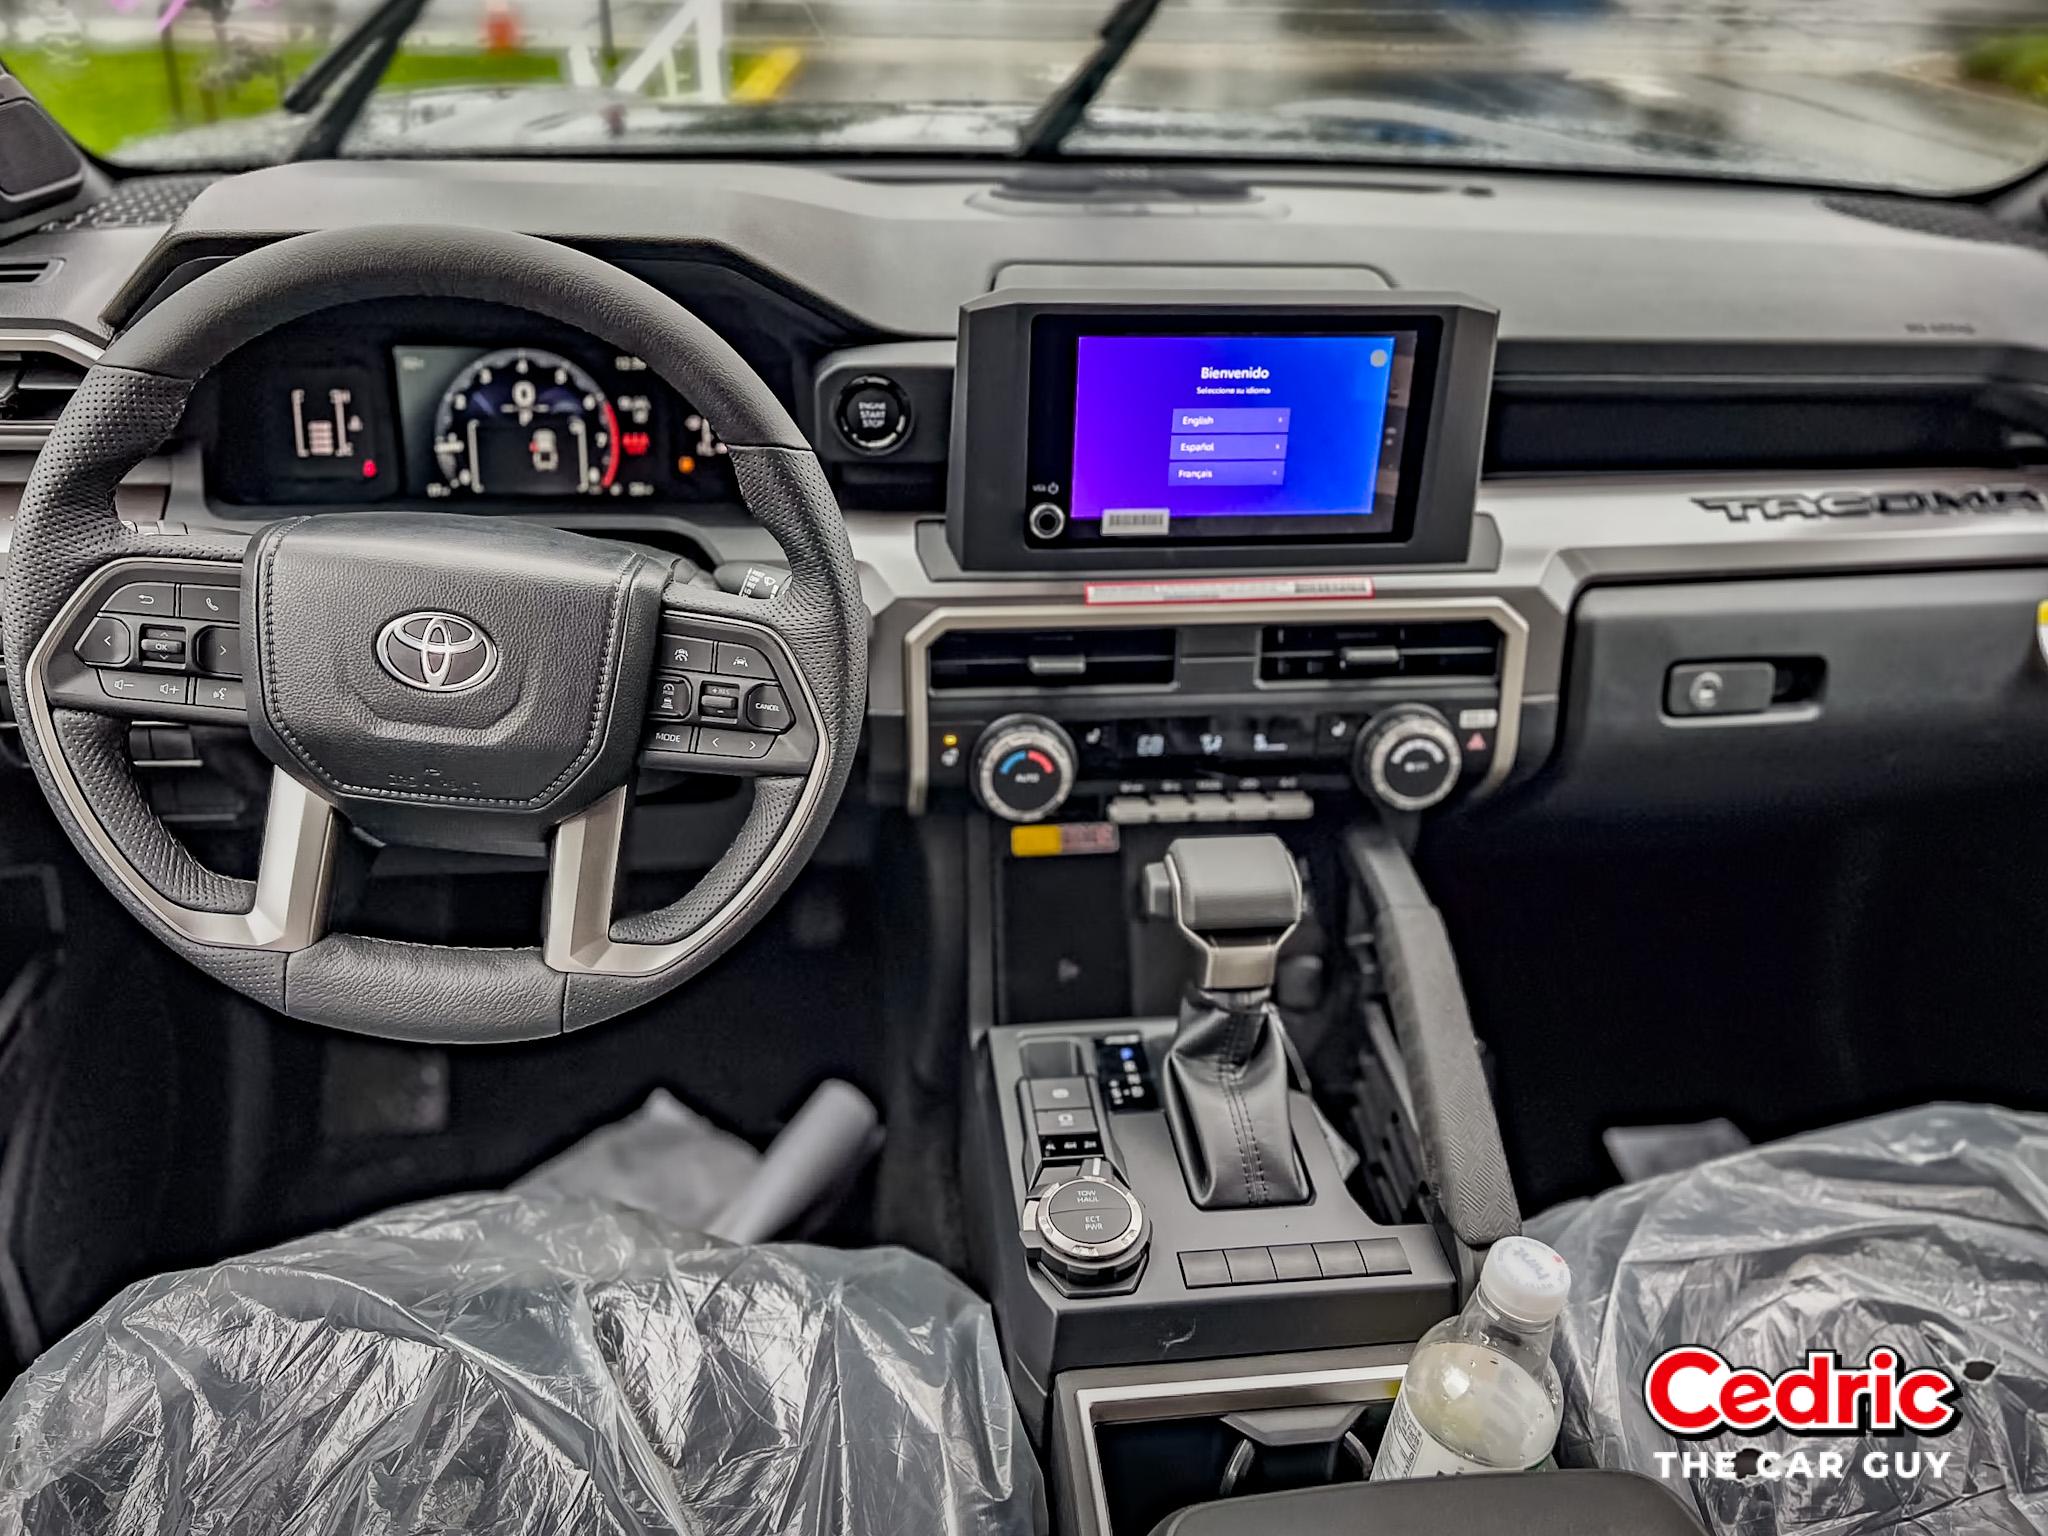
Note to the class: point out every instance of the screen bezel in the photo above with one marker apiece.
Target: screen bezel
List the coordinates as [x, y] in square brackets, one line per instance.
[1050, 428]
[988, 503]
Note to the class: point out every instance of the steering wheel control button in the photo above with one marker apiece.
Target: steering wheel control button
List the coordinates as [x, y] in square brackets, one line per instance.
[221, 604]
[107, 643]
[741, 661]
[1720, 688]
[766, 708]
[672, 698]
[147, 687]
[685, 653]
[158, 598]
[163, 646]
[219, 693]
[723, 743]
[668, 738]
[719, 701]
[873, 414]
[218, 651]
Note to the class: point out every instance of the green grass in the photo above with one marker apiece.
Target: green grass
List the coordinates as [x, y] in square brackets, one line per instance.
[2018, 62]
[108, 96]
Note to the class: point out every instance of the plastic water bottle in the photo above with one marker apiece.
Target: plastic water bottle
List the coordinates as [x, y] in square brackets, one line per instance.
[1481, 1394]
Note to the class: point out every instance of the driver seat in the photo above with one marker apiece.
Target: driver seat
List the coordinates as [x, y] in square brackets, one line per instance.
[504, 1364]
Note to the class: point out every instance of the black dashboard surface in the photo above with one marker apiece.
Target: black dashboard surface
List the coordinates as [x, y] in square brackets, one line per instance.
[1867, 396]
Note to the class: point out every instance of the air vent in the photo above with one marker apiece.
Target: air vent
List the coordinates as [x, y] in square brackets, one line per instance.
[1363, 653]
[16, 273]
[1045, 658]
[35, 387]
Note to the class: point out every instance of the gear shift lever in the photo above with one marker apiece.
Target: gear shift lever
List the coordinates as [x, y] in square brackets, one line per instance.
[1235, 899]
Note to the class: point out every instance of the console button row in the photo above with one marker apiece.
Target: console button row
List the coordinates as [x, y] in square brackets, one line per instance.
[169, 600]
[173, 688]
[710, 741]
[1239, 805]
[694, 653]
[762, 707]
[1293, 1261]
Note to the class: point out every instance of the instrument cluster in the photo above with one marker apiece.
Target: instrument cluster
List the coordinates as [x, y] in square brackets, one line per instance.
[496, 421]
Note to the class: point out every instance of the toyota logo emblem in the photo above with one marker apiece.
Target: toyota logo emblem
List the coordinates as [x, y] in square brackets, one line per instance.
[437, 652]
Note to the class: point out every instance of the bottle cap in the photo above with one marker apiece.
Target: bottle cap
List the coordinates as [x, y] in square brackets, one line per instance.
[1526, 1280]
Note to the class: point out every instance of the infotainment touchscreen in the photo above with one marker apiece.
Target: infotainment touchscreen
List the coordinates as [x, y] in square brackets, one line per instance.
[1275, 434]
[1095, 430]
[1238, 436]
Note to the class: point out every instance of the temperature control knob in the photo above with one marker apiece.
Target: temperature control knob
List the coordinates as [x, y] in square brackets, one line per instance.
[1024, 767]
[1408, 758]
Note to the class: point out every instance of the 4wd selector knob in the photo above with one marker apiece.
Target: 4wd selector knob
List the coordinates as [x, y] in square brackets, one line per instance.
[1023, 768]
[1408, 758]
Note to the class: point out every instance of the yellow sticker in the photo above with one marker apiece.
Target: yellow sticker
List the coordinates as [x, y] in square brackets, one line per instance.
[1049, 840]
[1034, 842]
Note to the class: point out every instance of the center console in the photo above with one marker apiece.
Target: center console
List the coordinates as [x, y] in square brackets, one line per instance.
[1227, 1144]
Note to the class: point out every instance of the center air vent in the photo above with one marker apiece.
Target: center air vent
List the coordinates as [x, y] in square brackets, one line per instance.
[35, 387]
[1360, 653]
[1052, 658]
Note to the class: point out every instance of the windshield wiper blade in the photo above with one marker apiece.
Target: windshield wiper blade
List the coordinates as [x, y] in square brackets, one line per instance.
[370, 44]
[1064, 109]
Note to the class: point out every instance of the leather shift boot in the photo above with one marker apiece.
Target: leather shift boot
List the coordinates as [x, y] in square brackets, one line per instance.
[1226, 1099]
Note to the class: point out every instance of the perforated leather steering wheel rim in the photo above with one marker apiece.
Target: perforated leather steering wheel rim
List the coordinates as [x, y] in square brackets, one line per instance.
[266, 938]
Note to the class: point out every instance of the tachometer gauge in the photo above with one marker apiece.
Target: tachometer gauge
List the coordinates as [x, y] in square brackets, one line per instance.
[520, 422]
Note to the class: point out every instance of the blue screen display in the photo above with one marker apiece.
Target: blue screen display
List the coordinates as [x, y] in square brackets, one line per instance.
[1168, 428]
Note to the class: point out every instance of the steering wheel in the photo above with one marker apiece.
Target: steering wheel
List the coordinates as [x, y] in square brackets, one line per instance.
[447, 681]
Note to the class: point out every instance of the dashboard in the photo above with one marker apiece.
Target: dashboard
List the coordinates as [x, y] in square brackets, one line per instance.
[1531, 455]
[494, 410]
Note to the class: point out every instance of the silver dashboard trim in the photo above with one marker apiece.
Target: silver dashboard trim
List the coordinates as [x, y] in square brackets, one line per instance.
[293, 875]
[918, 641]
[583, 864]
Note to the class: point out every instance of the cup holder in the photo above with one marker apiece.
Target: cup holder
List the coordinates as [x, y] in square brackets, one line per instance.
[1309, 1447]
[1150, 1453]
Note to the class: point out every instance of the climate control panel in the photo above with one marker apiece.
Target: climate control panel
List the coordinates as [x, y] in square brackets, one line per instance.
[1026, 767]
[1147, 709]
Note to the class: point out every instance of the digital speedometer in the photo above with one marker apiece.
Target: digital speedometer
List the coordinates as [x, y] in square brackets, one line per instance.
[521, 422]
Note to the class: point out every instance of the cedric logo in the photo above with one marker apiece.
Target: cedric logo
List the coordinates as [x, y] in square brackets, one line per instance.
[1976, 499]
[1693, 1392]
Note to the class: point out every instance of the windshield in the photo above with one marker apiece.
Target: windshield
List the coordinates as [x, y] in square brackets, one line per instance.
[1913, 95]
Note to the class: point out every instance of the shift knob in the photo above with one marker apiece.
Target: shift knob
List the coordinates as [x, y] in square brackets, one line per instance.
[1235, 899]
